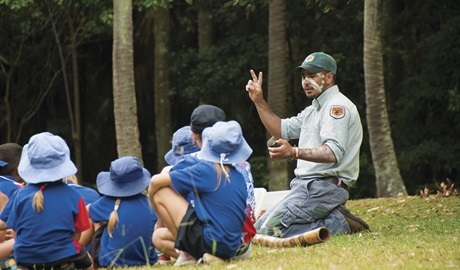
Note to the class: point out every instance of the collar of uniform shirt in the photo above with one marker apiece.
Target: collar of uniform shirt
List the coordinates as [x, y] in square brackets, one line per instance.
[317, 102]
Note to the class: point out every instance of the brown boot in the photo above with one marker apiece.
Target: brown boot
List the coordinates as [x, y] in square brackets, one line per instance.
[356, 224]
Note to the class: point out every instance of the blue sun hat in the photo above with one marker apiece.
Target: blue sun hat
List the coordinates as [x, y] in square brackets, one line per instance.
[224, 143]
[126, 178]
[46, 158]
[182, 144]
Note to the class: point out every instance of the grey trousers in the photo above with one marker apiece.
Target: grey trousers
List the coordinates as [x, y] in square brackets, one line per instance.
[309, 205]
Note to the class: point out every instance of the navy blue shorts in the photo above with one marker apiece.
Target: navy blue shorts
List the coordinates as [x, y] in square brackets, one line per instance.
[80, 261]
[190, 236]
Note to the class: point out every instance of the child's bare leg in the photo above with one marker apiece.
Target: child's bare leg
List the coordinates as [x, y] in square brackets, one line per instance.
[164, 242]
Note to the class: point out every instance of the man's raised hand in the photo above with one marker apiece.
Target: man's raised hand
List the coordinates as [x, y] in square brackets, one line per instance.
[254, 86]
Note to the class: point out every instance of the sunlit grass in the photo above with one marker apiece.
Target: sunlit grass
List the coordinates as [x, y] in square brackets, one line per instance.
[407, 233]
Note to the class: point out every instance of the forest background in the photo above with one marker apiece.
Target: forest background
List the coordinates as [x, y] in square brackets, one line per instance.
[56, 75]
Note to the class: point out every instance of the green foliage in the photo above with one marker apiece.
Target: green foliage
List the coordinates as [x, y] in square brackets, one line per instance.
[365, 186]
[16, 4]
[424, 118]
[106, 17]
[254, 5]
[421, 56]
[206, 75]
[218, 74]
[259, 171]
[147, 4]
[454, 100]
[249, 5]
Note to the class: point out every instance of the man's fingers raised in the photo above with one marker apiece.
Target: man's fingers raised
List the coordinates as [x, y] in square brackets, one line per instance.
[260, 77]
[253, 75]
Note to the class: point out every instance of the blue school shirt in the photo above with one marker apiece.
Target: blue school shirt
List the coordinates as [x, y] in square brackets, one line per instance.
[186, 161]
[243, 167]
[132, 236]
[7, 209]
[47, 236]
[220, 208]
[8, 185]
[89, 195]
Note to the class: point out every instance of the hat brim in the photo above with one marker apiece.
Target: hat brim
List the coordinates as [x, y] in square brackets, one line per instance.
[242, 153]
[33, 175]
[107, 187]
[310, 69]
[170, 158]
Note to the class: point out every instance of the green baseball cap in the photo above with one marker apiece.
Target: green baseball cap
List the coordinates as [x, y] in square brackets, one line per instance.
[318, 61]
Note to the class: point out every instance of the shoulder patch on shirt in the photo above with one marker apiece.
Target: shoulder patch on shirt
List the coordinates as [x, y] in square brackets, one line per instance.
[337, 112]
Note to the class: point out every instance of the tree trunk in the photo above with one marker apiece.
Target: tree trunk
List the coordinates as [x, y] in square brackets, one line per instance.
[124, 95]
[73, 111]
[205, 37]
[161, 84]
[205, 30]
[388, 178]
[76, 130]
[277, 83]
[393, 60]
[5, 105]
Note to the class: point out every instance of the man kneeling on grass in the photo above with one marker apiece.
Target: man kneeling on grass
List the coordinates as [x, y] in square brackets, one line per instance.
[330, 134]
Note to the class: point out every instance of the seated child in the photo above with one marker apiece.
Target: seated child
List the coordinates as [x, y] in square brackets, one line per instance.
[182, 144]
[10, 181]
[126, 211]
[47, 215]
[202, 117]
[213, 227]
[89, 195]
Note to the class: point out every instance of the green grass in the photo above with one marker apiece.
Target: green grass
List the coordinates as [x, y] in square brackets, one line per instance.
[407, 233]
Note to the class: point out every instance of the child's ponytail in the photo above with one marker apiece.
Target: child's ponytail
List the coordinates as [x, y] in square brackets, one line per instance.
[113, 219]
[38, 200]
[222, 169]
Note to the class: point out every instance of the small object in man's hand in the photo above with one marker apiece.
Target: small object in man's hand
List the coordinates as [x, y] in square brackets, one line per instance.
[272, 142]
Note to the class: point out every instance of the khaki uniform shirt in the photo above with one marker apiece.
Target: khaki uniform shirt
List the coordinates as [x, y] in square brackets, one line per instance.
[332, 119]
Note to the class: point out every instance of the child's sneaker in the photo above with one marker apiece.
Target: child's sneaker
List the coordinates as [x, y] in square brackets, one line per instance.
[184, 259]
[164, 259]
[243, 253]
[9, 263]
[211, 259]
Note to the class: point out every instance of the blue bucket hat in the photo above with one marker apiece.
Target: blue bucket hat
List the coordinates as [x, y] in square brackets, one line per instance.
[126, 178]
[3, 165]
[224, 143]
[46, 158]
[319, 61]
[182, 144]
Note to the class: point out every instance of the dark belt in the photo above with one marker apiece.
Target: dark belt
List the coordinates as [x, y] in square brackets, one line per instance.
[336, 181]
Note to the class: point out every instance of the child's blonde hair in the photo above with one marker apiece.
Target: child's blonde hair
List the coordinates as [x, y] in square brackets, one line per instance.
[73, 179]
[39, 200]
[113, 219]
[219, 170]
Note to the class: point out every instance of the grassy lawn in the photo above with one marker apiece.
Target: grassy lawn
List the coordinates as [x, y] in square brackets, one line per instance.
[407, 233]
